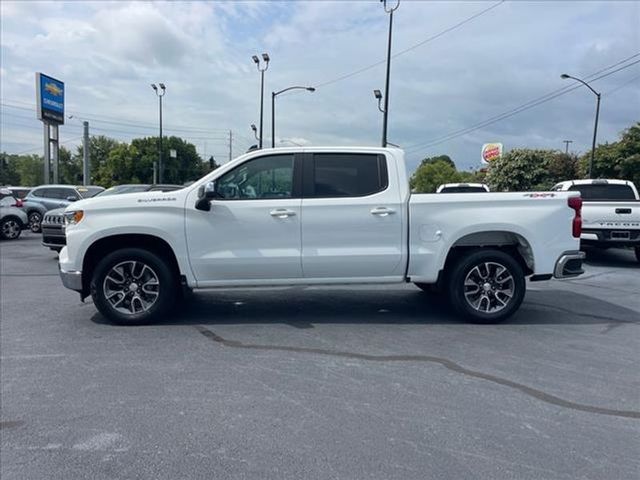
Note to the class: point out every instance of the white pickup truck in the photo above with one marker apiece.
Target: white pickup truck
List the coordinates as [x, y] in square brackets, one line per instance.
[310, 216]
[610, 213]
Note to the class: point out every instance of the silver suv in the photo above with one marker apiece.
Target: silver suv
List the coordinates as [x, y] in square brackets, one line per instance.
[57, 196]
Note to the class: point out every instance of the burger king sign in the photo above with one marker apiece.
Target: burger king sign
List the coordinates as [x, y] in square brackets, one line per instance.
[491, 152]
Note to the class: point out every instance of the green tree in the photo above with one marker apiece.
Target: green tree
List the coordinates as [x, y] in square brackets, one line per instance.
[69, 167]
[185, 167]
[8, 173]
[429, 175]
[30, 169]
[618, 159]
[438, 158]
[520, 170]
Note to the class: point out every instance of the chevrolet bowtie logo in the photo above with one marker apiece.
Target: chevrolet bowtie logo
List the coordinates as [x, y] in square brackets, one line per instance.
[53, 89]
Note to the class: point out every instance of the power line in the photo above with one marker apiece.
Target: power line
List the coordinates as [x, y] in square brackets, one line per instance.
[521, 108]
[98, 118]
[631, 80]
[38, 148]
[412, 47]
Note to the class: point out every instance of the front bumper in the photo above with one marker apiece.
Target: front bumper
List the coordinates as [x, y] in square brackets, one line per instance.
[53, 236]
[569, 265]
[71, 279]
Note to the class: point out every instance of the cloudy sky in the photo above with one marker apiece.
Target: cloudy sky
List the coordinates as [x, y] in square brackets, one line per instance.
[448, 80]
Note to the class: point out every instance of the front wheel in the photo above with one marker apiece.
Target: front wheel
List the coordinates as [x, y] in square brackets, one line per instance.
[35, 222]
[132, 286]
[486, 286]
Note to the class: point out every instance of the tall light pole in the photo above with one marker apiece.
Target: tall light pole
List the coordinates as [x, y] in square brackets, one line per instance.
[256, 60]
[385, 112]
[86, 166]
[566, 143]
[595, 128]
[273, 109]
[157, 173]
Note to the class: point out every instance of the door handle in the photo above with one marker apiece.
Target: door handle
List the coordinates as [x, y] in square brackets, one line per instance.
[382, 211]
[282, 213]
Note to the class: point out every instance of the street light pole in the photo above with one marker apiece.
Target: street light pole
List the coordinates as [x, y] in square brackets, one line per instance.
[256, 60]
[157, 173]
[386, 87]
[595, 127]
[273, 109]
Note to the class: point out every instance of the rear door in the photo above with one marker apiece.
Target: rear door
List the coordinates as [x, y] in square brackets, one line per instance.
[351, 218]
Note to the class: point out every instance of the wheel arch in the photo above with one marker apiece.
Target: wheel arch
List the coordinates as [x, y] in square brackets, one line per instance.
[111, 243]
[510, 242]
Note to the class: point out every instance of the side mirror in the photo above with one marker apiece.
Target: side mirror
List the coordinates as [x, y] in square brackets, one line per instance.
[71, 199]
[206, 193]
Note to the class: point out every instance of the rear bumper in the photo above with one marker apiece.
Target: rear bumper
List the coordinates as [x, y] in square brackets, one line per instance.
[569, 265]
[610, 238]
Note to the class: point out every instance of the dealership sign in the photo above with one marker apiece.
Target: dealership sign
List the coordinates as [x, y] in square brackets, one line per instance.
[491, 152]
[50, 98]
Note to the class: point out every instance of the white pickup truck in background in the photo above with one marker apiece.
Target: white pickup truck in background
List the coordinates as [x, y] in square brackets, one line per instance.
[310, 216]
[610, 212]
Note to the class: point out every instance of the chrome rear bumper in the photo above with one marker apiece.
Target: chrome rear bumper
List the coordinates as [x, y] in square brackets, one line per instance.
[569, 265]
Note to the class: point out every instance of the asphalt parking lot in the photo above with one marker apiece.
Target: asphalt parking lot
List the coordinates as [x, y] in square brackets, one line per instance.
[320, 383]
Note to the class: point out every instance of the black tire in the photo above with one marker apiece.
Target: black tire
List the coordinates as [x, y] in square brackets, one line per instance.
[498, 296]
[35, 221]
[10, 228]
[637, 249]
[126, 312]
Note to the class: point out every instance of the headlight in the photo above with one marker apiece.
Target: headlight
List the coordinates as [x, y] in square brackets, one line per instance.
[71, 218]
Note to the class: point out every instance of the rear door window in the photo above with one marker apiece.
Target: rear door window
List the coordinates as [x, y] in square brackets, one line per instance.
[347, 175]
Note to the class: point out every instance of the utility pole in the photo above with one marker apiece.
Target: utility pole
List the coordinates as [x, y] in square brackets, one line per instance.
[567, 142]
[86, 170]
[386, 87]
[230, 145]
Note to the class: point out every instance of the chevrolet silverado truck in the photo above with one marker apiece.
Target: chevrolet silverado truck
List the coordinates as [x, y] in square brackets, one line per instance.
[316, 216]
[610, 212]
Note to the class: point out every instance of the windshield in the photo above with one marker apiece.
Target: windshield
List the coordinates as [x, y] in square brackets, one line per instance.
[120, 189]
[463, 190]
[603, 192]
[88, 192]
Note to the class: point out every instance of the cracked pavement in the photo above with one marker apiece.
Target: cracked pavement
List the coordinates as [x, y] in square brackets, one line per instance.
[321, 382]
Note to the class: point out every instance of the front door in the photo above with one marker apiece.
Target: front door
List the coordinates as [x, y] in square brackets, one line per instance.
[252, 232]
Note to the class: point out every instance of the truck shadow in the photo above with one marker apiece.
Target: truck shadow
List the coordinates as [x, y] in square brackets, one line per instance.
[612, 257]
[302, 307]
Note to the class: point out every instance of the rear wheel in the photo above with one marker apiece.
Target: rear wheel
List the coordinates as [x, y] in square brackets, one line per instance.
[638, 253]
[486, 286]
[35, 222]
[133, 286]
[10, 228]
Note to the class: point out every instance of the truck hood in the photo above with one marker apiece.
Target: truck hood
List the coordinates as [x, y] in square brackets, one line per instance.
[130, 200]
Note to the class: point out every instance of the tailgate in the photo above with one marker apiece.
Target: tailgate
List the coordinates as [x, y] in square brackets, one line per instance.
[611, 215]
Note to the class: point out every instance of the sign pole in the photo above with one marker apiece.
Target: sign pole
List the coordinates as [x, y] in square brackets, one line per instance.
[86, 175]
[47, 155]
[55, 153]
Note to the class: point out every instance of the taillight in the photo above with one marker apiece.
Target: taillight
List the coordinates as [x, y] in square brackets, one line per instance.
[576, 204]
[18, 203]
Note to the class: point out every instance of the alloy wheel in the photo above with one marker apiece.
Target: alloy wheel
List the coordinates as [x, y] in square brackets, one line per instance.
[10, 229]
[489, 287]
[131, 287]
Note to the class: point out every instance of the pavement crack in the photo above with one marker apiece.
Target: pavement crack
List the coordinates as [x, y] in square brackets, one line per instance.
[450, 365]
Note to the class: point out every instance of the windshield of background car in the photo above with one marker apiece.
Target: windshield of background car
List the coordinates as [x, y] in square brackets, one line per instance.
[463, 190]
[120, 189]
[603, 192]
[88, 192]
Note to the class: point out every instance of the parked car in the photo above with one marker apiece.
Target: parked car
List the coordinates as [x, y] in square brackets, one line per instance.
[12, 219]
[610, 213]
[463, 188]
[309, 216]
[56, 196]
[20, 192]
[53, 228]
